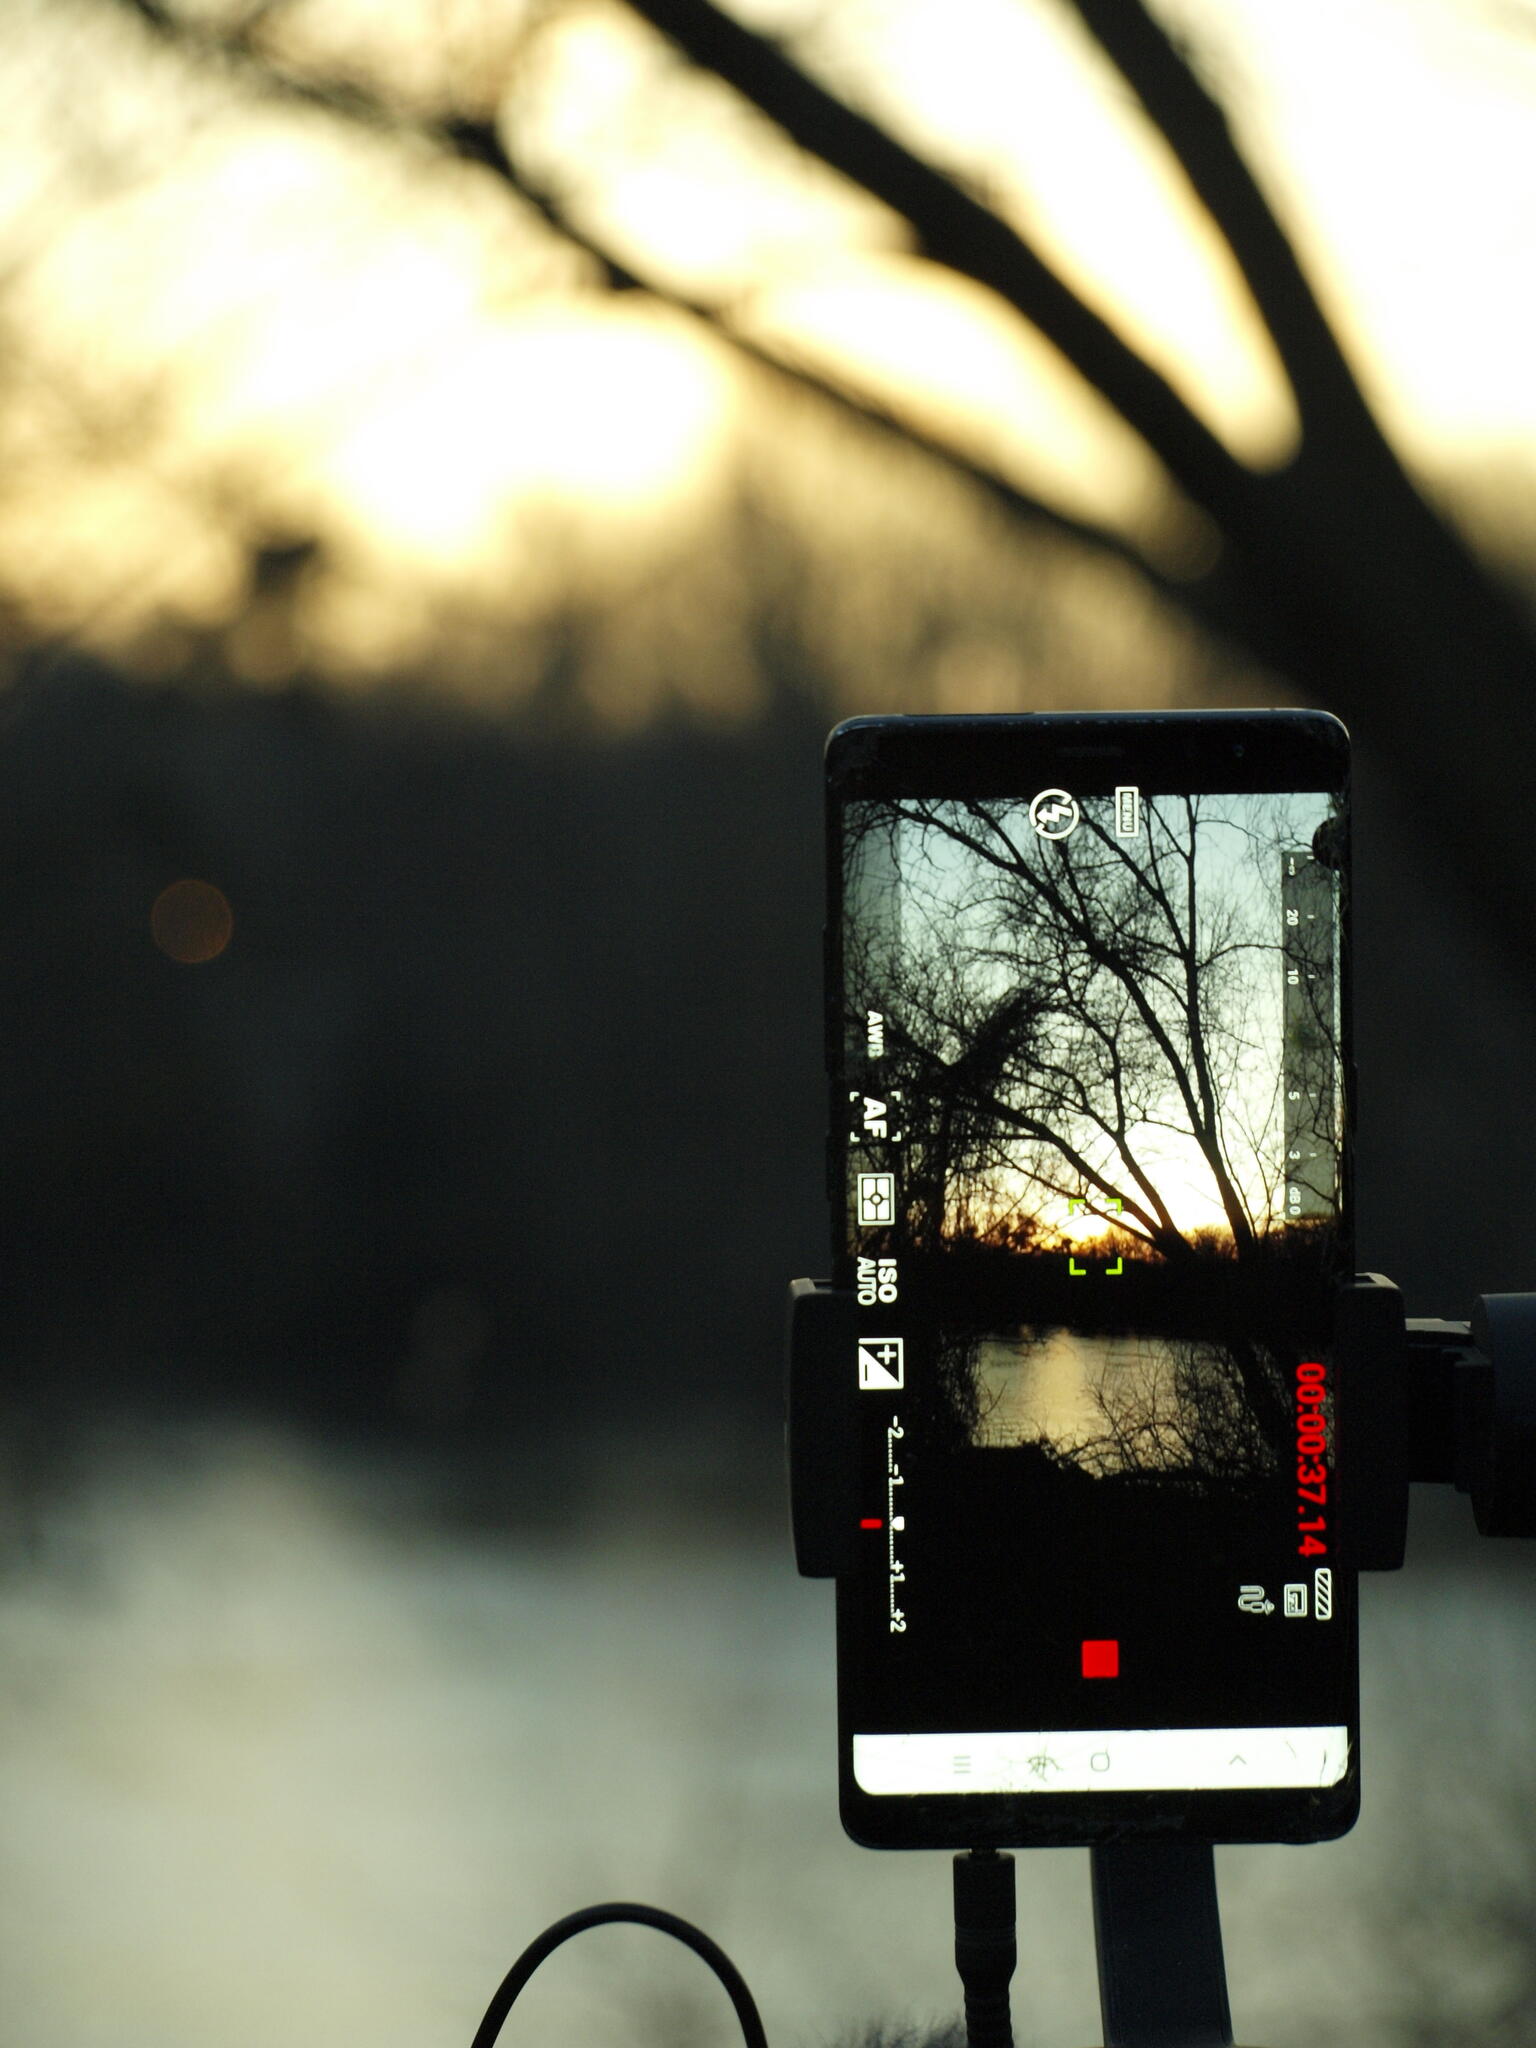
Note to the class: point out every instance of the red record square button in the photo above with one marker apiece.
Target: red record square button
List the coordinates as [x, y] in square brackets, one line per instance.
[1101, 1659]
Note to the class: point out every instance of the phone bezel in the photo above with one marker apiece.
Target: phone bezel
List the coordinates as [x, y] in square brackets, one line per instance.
[1013, 754]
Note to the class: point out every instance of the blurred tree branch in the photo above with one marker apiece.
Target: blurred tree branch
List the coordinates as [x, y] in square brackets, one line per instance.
[1196, 130]
[479, 141]
[1333, 569]
[960, 232]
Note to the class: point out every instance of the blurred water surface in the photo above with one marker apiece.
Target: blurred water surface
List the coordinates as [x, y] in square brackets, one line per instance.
[1067, 1385]
[303, 1742]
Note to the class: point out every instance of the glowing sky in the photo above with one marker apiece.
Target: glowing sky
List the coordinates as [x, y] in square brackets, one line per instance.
[265, 305]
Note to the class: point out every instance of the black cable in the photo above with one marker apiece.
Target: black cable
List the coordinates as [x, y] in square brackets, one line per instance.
[645, 1916]
[986, 1944]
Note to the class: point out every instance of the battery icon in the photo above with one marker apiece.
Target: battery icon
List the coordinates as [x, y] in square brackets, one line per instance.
[1322, 1593]
[1127, 810]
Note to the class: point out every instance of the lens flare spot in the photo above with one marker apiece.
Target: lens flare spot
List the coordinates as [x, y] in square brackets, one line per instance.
[192, 922]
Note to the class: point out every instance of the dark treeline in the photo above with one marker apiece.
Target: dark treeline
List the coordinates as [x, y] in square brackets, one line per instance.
[503, 1097]
[1274, 1286]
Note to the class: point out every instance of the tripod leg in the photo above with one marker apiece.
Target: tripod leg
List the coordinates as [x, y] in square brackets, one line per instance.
[1162, 1977]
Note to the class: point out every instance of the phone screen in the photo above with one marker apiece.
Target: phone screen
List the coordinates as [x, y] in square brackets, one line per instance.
[1088, 1035]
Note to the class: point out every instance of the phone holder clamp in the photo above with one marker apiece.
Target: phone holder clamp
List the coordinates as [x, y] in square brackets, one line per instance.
[1417, 1400]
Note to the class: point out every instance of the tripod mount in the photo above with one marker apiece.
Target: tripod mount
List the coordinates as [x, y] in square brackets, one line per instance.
[1416, 1400]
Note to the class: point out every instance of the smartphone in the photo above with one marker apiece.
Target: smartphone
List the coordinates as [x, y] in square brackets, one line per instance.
[1089, 1046]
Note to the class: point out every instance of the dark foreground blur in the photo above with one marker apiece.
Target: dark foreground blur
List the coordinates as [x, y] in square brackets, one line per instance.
[292, 1749]
[503, 1105]
[502, 1102]
[392, 1547]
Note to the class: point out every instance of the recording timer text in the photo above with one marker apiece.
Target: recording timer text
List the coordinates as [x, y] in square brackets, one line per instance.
[1312, 1458]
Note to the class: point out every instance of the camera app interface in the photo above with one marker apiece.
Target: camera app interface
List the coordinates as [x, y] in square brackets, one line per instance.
[1093, 1090]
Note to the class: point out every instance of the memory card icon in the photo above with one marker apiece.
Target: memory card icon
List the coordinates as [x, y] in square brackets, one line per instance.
[882, 1365]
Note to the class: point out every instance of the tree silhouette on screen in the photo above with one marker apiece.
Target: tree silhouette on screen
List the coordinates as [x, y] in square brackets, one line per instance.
[1072, 1008]
[1092, 1025]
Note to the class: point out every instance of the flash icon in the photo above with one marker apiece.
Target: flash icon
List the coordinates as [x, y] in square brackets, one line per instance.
[1054, 813]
